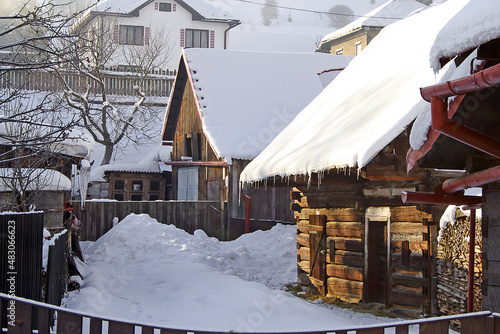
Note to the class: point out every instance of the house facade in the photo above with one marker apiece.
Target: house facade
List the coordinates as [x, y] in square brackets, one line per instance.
[179, 24]
[221, 115]
[354, 37]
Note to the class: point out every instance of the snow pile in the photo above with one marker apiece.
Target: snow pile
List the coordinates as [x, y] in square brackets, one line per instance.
[371, 102]
[153, 273]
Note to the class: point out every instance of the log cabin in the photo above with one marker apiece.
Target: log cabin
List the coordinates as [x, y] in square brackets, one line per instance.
[460, 131]
[345, 154]
[225, 107]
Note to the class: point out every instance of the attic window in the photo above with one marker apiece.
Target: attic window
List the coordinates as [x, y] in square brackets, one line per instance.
[165, 7]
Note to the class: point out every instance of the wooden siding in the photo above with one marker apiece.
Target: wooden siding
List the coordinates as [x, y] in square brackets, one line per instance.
[97, 217]
[122, 186]
[402, 269]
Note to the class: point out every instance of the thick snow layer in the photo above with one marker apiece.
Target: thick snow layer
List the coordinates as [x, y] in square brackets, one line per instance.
[33, 179]
[247, 98]
[151, 162]
[477, 22]
[149, 272]
[371, 102]
[382, 16]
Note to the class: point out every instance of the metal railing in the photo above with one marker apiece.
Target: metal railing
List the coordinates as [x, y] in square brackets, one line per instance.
[17, 314]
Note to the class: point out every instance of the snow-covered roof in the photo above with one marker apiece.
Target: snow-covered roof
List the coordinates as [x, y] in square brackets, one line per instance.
[370, 103]
[246, 98]
[126, 7]
[388, 13]
[34, 179]
[153, 162]
[476, 23]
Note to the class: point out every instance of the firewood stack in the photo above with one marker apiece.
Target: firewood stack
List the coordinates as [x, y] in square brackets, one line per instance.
[453, 266]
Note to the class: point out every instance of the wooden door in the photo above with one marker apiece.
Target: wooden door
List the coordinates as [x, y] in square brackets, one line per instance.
[317, 246]
[376, 261]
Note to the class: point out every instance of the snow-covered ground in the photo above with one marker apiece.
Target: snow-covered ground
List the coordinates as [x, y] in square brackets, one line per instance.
[148, 272]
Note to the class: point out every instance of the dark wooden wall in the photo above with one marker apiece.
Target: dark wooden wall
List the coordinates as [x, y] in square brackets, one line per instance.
[97, 216]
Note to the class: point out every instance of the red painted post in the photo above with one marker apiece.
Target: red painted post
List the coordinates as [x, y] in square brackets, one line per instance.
[472, 246]
[248, 207]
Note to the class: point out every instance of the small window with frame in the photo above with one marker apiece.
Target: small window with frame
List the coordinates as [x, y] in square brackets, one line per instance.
[165, 7]
[136, 185]
[119, 184]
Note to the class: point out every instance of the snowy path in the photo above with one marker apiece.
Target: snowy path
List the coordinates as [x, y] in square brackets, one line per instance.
[149, 272]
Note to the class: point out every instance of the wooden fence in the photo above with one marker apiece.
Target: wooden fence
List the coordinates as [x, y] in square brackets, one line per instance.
[97, 216]
[17, 314]
[21, 238]
[116, 83]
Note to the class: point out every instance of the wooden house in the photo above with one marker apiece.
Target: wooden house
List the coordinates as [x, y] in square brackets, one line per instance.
[460, 130]
[355, 36]
[147, 180]
[181, 23]
[226, 106]
[345, 155]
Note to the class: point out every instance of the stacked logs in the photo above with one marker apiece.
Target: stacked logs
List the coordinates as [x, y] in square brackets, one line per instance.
[453, 266]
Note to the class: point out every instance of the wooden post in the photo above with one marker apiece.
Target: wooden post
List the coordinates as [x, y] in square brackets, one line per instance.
[472, 245]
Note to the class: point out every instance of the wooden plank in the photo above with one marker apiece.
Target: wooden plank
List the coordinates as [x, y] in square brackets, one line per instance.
[403, 329]
[23, 314]
[95, 326]
[408, 214]
[370, 331]
[305, 265]
[338, 286]
[115, 327]
[475, 325]
[409, 280]
[304, 253]
[44, 320]
[408, 228]
[435, 327]
[348, 244]
[345, 229]
[407, 297]
[147, 330]
[68, 322]
[303, 239]
[348, 258]
[344, 272]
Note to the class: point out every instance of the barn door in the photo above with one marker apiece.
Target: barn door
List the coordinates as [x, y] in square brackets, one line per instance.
[317, 246]
[376, 260]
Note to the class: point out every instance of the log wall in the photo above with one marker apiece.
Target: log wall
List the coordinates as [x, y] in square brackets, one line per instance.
[406, 272]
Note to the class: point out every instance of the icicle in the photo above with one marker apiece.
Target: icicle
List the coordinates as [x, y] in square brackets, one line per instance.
[83, 181]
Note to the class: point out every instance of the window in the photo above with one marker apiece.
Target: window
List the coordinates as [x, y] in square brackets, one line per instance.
[154, 197]
[358, 48]
[196, 38]
[339, 52]
[136, 185]
[119, 197]
[119, 184]
[165, 7]
[131, 35]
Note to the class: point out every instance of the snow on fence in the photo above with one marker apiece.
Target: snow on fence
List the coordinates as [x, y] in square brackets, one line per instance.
[97, 216]
[16, 316]
[116, 83]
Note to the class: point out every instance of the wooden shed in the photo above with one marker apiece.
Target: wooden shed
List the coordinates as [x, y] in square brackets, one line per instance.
[345, 153]
[226, 106]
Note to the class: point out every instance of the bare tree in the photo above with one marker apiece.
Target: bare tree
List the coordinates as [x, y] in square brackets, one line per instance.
[107, 118]
[31, 123]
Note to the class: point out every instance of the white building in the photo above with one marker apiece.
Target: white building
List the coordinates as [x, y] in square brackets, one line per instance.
[181, 23]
